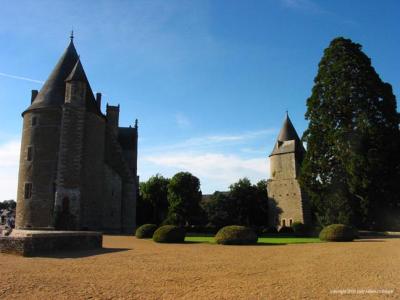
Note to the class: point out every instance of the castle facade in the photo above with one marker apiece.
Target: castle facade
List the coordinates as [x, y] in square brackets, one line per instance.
[78, 168]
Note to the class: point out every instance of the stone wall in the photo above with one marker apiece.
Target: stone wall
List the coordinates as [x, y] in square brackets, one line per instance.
[129, 207]
[37, 212]
[68, 194]
[48, 242]
[112, 200]
[283, 166]
[285, 201]
[93, 183]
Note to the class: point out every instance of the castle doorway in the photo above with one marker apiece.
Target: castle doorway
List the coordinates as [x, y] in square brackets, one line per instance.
[64, 219]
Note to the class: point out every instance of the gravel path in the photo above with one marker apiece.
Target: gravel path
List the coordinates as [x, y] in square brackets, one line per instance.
[141, 269]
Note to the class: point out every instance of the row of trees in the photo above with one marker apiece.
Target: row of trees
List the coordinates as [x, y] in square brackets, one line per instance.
[179, 201]
[169, 201]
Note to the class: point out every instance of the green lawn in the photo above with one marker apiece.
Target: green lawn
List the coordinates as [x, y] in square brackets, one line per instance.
[262, 240]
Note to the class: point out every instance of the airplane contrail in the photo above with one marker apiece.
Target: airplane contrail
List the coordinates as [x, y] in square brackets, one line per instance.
[20, 78]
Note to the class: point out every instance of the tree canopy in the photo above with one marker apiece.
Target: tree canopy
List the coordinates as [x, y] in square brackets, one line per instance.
[155, 192]
[184, 196]
[244, 204]
[351, 168]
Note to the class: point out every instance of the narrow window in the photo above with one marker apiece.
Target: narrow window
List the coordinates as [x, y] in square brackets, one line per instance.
[34, 121]
[29, 153]
[28, 190]
[65, 205]
[283, 223]
[290, 222]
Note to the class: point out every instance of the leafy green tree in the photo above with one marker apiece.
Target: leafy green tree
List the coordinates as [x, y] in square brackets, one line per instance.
[144, 209]
[251, 202]
[351, 168]
[244, 204]
[220, 210]
[259, 215]
[184, 196]
[155, 192]
[242, 194]
[8, 204]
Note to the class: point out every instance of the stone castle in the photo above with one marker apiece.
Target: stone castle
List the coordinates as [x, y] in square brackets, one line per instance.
[78, 168]
[287, 202]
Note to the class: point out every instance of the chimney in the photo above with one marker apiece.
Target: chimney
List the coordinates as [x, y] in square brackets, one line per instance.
[112, 115]
[33, 95]
[98, 101]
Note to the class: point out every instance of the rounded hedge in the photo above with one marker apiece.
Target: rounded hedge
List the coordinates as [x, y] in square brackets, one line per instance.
[145, 231]
[337, 233]
[286, 229]
[236, 235]
[169, 234]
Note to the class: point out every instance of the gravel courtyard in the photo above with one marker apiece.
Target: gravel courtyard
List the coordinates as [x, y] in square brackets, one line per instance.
[140, 269]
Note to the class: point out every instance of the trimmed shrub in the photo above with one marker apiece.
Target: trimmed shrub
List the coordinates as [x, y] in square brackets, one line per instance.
[145, 231]
[236, 235]
[286, 230]
[337, 233]
[169, 234]
[300, 229]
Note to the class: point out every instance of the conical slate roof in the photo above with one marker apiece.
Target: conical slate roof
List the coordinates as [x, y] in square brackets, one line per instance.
[287, 133]
[77, 73]
[52, 93]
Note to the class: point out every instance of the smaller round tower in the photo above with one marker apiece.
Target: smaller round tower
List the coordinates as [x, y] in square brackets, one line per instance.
[287, 201]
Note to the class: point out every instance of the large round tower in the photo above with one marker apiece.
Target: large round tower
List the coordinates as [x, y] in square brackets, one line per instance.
[40, 147]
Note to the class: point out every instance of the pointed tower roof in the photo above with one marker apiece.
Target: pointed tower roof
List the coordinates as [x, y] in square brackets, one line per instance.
[77, 73]
[287, 133]
[53, 90]
[52, 93]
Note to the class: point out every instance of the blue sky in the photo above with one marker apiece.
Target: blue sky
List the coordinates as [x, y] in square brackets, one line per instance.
[209, 81]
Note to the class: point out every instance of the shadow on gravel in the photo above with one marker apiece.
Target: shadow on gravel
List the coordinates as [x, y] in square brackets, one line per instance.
[81, 253]
[370, 240]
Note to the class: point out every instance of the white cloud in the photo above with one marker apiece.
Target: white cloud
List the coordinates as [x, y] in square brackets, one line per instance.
[307, 6]
[217, 160]
[182, 120]
[212, 141]
[9, 161]
[20, 78]
[216, 171]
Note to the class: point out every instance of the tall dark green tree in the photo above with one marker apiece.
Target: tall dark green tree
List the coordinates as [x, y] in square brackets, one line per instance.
[351, 169]
[250, 201]
[220, 210]
[184, 198]
[155, 192]
[244, 204]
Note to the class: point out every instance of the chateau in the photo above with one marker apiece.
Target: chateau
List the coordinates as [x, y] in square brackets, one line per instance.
[78, 168]
[287, 202]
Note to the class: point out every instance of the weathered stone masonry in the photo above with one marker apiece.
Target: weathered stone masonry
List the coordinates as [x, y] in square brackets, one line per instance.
[78, 168]
[287, 201]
